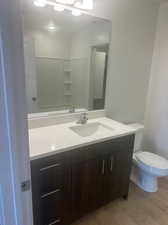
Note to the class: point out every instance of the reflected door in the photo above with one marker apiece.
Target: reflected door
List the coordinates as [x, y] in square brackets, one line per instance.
[50, 84]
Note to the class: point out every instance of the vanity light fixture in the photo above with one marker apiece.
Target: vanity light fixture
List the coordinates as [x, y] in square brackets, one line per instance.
[76, 7]
[59, 8]
[84, 4]
[40, 3]
[68, 2]
[76, 12]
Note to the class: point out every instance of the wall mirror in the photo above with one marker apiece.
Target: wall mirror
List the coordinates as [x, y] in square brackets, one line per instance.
[65, 60]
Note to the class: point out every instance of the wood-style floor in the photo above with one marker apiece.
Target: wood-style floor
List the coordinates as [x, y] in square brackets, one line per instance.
[140, 209]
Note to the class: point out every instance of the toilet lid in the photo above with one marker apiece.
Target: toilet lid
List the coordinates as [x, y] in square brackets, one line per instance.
[152, 160]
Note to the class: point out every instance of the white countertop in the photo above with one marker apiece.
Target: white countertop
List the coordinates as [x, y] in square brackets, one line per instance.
[50, 140]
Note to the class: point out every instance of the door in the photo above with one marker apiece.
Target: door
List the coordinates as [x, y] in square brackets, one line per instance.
[87, 186]
[15, 205]
[117, 172]
[50, 88]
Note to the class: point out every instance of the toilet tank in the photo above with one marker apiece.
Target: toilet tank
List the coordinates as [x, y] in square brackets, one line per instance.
[139, 135]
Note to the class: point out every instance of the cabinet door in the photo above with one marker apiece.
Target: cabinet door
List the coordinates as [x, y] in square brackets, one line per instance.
[118, 167]
[87, 186]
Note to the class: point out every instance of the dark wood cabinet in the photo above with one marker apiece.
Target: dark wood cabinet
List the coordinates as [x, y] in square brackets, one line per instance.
[116, 181]
[87, 186]
[68, 185]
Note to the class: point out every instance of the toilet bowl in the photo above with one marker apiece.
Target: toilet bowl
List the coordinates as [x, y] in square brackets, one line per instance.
[147, 167]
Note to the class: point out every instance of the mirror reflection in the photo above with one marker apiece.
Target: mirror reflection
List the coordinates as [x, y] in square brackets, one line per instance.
[65, 60]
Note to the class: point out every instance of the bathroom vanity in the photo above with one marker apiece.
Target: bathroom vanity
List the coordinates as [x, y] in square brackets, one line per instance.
[75, 168]
[83, 168]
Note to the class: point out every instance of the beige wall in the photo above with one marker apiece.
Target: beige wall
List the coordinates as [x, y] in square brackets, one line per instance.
[156, 119]
[133, 33]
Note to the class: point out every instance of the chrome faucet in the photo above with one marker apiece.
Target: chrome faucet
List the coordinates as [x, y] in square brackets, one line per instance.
[83, 118]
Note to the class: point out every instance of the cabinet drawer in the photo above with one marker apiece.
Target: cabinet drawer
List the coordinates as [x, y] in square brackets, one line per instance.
[52, 208]
[52, 177]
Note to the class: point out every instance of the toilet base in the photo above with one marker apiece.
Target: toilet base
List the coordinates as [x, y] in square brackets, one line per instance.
[144, 180]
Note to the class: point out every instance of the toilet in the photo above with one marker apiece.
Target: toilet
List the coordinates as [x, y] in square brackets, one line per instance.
[147, 167]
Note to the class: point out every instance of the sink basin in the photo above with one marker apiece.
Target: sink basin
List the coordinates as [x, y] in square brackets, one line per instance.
[90, 129]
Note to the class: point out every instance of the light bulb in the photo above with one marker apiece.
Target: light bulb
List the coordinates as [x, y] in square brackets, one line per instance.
[69, 2]
[40, 3]
[76, 12]
[85, 4]
[59, 8]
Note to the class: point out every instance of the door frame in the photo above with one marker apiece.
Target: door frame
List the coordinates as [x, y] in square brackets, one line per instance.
[94, 49]
[15, 205]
